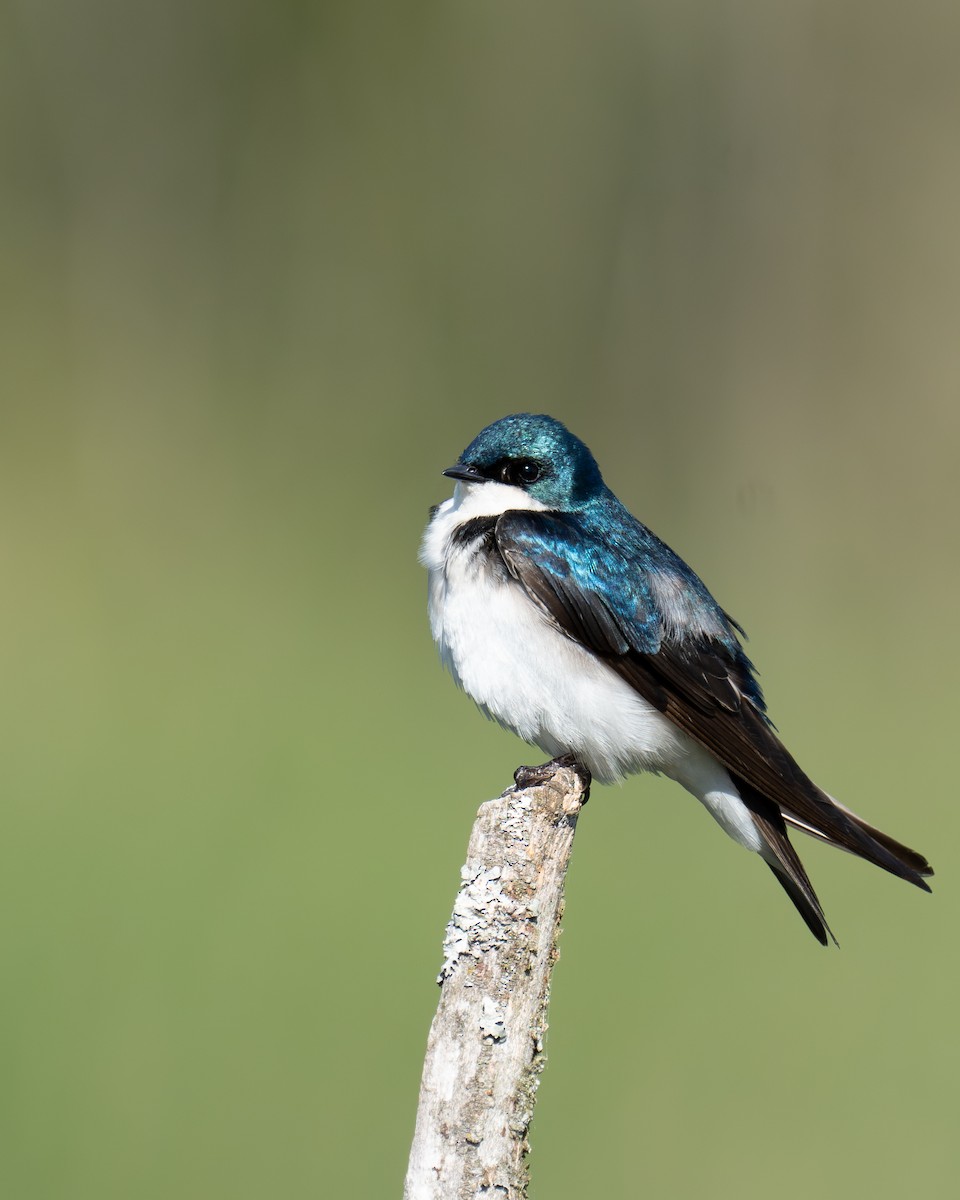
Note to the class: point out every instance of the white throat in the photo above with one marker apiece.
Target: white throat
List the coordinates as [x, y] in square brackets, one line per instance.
[488, 499]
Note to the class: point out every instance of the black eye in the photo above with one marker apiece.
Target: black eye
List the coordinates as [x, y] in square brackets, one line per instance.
[520, 471]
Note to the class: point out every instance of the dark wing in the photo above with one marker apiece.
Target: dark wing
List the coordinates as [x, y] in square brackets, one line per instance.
[701, 683]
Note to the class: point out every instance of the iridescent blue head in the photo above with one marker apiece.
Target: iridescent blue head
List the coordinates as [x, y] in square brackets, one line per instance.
[535, 453]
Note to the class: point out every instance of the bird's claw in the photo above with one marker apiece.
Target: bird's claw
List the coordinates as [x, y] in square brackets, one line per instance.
[525, 777]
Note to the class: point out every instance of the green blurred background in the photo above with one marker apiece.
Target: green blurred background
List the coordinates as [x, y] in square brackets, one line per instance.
[266, 269]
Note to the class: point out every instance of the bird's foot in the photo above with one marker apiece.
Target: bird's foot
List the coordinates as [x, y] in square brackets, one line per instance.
[525, 777]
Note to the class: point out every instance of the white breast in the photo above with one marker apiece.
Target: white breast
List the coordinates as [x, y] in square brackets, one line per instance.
[519, 668]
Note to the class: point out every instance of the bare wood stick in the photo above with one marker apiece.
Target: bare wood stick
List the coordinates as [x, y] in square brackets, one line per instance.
[485, 1049]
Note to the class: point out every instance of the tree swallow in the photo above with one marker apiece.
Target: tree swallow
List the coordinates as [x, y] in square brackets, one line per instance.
[570, 623]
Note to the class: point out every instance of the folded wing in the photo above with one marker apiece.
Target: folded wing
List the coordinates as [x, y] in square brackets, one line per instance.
[701, 682]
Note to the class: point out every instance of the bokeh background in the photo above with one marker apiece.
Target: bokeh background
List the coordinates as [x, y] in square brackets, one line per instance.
[266, 269]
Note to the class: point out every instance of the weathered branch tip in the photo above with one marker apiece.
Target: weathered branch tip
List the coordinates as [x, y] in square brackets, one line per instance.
[485, 1051]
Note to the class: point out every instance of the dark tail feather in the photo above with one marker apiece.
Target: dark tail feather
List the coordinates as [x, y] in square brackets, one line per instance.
[807, 905]
[915, 863]
[784, 862]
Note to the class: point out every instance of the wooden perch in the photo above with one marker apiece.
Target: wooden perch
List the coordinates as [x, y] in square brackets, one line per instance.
[485, 1050]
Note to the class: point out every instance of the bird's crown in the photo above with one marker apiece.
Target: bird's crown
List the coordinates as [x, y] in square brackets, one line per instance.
[537, 453]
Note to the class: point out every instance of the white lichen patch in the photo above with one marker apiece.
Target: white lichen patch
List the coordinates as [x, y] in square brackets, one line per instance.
[517, 820]
[481, 914]
[492, 1022]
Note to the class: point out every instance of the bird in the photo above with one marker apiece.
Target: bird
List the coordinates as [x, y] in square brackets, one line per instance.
[570, 623]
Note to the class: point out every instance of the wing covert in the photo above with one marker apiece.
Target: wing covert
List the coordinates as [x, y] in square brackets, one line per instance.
[578, 585]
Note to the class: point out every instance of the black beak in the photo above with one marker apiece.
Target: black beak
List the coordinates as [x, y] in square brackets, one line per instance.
[467, 474]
